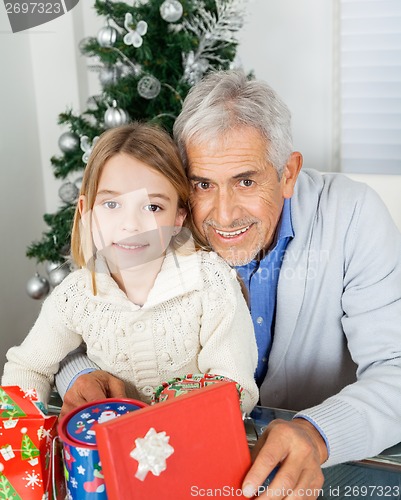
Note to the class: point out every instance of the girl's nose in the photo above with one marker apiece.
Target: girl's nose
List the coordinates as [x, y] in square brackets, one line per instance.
[131, 222]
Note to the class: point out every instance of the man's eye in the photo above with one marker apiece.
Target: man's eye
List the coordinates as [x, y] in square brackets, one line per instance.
[202, 185]
[111, 204]
[246, 183]
[152, 208]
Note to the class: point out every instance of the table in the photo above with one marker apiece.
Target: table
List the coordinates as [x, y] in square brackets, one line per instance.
[375, 478]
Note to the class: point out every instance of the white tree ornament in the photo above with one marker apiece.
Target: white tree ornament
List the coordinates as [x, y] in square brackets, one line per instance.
[134, 37]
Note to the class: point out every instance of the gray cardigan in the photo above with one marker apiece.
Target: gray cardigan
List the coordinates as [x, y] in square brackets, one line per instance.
[336, 352]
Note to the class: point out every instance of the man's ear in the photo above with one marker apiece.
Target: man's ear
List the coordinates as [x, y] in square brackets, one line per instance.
[290, 174]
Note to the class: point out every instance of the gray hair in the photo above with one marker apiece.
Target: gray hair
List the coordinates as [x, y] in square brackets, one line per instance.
[225, 100]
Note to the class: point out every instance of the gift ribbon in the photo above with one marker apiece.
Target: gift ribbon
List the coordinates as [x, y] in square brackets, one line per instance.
[151, 453]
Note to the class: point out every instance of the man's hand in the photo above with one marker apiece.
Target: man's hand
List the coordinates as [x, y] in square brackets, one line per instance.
[90, 387]
[299, 450]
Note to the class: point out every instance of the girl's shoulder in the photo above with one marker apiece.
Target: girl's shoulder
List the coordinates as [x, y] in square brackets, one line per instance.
[216, 269]
[75, 283]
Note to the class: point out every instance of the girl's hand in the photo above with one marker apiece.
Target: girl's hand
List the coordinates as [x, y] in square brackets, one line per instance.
[91, 387]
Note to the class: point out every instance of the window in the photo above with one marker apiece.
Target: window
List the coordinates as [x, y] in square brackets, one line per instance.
[370, 86]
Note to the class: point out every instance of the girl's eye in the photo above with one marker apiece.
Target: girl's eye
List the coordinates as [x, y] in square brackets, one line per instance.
[202, 185]
[152, 208]
[111, 204]
[247, 183]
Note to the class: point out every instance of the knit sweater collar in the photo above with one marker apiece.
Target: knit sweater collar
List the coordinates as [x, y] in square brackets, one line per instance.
[178, 275]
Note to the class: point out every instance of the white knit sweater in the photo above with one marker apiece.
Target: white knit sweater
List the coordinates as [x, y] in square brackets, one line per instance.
[195, 320]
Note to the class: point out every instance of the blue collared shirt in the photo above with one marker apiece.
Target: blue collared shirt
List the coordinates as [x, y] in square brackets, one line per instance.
[261, 279]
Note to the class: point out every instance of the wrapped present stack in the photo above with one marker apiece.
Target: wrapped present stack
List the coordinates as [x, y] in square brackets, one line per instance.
[26, 436]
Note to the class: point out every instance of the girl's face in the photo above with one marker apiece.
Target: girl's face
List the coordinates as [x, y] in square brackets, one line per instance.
[135, 213]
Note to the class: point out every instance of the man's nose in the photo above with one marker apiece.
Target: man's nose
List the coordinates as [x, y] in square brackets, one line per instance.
[226, 208]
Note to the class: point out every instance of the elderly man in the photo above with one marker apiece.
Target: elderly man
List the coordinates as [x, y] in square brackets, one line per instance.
[321, 259]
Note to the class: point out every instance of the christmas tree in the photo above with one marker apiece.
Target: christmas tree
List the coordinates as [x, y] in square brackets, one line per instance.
[7, 491]
[28, 449]
[8, 406]
[149, 53]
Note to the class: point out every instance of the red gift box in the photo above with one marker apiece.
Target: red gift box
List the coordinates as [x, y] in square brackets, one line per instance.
[194, 445]
[26, 436]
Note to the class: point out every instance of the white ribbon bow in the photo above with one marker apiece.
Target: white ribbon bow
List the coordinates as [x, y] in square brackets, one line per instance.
[151, 453]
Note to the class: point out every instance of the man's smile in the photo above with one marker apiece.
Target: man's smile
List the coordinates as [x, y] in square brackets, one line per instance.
[232, 234]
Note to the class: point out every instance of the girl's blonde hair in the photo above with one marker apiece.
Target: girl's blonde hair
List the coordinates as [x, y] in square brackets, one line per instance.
[148, 144]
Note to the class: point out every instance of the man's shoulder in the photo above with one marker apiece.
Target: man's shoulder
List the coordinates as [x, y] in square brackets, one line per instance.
[333, 183]
[316, 191]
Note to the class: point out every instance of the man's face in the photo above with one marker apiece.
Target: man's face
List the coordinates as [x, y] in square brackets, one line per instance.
[237, 197]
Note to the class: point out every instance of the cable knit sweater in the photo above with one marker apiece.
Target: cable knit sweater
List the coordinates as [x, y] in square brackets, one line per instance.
[195, 320]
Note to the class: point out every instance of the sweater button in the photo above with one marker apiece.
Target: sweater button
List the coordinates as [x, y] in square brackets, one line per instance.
[147, 390]
[188, 343]
[139, 326]
[91, 307]
[122, 357]
[97, 345]
[176, 319]
[165, 356]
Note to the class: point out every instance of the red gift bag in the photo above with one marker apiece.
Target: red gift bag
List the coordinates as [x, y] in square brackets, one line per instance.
[193, 445]
[26, 436]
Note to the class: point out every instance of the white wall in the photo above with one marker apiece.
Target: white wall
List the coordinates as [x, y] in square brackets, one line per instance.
[288, 43]
[22, 198]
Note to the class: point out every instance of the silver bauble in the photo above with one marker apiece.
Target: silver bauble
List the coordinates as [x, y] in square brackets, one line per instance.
[107, 36]
[78, 183]
[171, 10]
[109, 75]
[68, 142]
[65, 250]
[37, 287]
[149, 87]
[49, 266]
[68, 192]
[115, 116]
[57, 275]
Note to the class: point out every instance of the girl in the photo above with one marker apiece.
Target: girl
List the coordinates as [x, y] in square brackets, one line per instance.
[147, 305]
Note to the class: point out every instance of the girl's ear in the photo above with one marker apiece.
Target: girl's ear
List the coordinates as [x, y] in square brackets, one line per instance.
[180, 217]
[82, 204]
